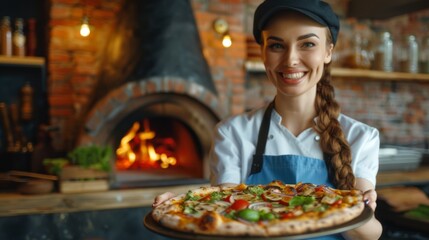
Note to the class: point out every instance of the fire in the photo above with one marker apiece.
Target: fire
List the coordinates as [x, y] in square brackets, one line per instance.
[140, 149]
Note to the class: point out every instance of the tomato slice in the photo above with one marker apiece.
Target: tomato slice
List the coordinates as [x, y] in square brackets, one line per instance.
[287, 215]
[229, 198]
[239, 204]
[320, 188]
[285, 200]
[337, 203]
[206, 198]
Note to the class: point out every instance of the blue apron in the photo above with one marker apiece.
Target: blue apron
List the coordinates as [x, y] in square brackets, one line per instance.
[287, 168]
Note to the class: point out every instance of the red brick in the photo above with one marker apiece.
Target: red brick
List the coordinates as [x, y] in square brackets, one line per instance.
[82, 79]
[69, 2]
[61, 68]
[137, 90]
[60, 11]
[86, 69]
[62, 33]
[61, 112]
[232, 1]
[234, 73]
[59, 56]
[238, 90]
[151, 87]
[61, 100]
[237, 81]
[77, 12]
[93, 3]
[179, 87]
[104, 14]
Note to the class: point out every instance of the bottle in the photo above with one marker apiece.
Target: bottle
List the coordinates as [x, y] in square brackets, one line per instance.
[6, 37]
[383, 53]
[31, 37]
[27, 94]
[409, 56]
[7, 127]
[42, 150]
[18, 38]
[424, 56]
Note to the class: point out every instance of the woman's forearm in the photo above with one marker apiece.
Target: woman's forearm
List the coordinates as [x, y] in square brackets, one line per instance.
[371, 230]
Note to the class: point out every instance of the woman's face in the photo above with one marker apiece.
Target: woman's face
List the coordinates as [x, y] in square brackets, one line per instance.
[294, 51]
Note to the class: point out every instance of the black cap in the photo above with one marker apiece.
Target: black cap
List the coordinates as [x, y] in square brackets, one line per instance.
[317, 10]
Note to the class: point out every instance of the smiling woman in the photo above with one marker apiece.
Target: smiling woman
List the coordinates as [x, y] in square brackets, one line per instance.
[301, 136]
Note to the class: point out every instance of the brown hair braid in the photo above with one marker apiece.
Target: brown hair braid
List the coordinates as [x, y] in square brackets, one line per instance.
[332, 140]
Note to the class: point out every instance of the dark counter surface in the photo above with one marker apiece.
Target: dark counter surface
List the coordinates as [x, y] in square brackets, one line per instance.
[119, 213]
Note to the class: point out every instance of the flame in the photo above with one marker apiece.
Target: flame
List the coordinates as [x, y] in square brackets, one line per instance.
[136, 149]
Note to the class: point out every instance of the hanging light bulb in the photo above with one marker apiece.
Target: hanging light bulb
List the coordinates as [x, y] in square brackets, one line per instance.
[84, 28]
[221, 27]
[226, 41]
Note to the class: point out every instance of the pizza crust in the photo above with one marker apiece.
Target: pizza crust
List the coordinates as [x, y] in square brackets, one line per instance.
[166, 207]
[329, 219]
[170, 214]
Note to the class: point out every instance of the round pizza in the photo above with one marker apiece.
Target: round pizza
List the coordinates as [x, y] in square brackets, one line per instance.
[259, 210]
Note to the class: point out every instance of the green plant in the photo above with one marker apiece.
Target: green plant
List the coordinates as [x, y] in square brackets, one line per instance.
[94, 157]
[55, 165]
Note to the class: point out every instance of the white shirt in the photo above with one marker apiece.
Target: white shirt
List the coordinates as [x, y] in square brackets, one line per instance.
[236, 138]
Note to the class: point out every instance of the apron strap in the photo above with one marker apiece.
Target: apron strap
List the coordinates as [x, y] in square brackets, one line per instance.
[262, 140]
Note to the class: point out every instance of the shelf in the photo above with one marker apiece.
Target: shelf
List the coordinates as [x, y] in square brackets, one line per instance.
[22, 61]
[13, 204]
[412, 177]
[380, 75]
[257, 66]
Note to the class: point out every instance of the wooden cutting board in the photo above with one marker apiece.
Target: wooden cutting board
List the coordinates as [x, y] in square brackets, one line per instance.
[403, 198]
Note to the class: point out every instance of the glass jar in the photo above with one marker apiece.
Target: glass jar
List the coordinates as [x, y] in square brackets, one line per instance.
[424, 56]
[383, 53]
[18, 38]
[358, 56]
[6, 37]
[409, 55]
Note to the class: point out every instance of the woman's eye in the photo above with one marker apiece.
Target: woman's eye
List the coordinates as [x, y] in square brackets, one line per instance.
[275, 46]
[308, 45]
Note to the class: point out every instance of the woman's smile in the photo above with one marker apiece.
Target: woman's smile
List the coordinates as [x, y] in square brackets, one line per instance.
[292, 77]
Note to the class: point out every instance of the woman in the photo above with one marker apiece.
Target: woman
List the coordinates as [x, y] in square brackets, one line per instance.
[301, 136]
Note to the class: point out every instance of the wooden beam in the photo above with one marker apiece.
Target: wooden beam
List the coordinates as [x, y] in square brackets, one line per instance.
[383, 9]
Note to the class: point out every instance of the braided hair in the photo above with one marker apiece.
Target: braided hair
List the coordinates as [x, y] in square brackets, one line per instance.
[332, 141]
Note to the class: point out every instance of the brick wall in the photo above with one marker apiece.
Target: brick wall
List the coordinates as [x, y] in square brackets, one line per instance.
[74, 60]
[397, 109]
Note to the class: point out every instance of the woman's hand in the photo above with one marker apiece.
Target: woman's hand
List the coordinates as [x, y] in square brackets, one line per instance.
[372, 229]
[162, 198]
[370, 198]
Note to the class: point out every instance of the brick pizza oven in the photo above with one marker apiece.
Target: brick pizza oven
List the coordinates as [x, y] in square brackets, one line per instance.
[155, 104]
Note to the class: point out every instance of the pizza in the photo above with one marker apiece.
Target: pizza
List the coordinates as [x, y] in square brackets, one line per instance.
[259, 210]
